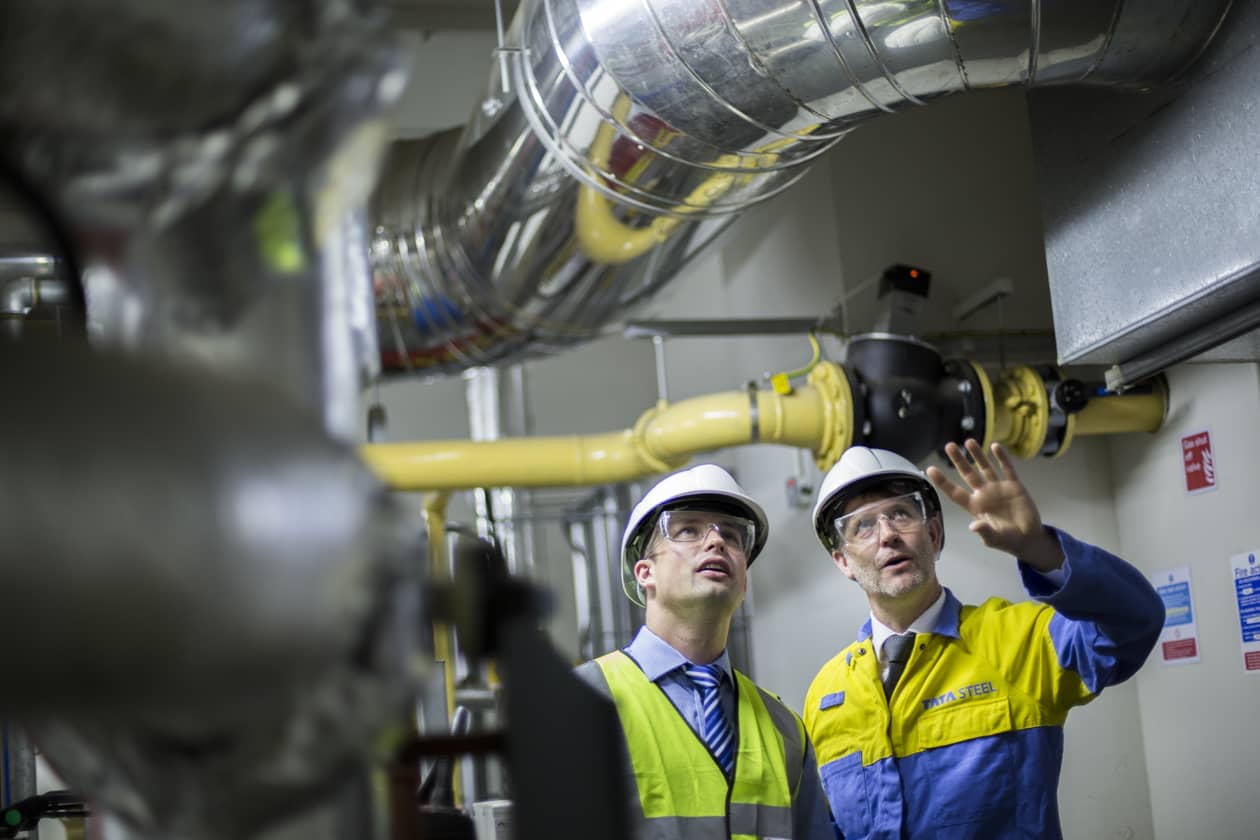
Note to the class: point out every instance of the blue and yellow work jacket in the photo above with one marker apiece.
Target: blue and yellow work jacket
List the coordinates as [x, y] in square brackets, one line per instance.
[971, 741]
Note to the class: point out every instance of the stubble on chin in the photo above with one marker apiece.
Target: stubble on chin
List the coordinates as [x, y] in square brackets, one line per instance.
[873, 582]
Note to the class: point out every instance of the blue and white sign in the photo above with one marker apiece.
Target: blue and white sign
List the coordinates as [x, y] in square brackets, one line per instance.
[1179, 641]
[1246, 574]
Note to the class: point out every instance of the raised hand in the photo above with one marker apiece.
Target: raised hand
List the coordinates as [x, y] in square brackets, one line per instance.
[1004, 514]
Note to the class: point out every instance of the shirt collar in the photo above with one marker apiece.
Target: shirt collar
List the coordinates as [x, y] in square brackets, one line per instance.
[657, 658]
[941, 618]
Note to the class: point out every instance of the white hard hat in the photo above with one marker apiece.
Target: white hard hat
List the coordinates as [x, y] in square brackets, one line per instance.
[705, 487]
[861, 469]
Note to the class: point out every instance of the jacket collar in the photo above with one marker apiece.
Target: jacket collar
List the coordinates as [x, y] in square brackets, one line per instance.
[946, 622]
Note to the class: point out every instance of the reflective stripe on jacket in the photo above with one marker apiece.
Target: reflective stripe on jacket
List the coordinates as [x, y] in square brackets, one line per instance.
[682, 792]
[973, 742]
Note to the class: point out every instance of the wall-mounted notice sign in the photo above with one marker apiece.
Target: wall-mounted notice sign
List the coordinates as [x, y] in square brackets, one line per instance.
[1246, 569]
[1179, 641]
[1198, 462]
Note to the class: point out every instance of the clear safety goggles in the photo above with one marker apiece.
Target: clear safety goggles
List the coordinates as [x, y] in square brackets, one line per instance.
[902, 513]
[684, 526]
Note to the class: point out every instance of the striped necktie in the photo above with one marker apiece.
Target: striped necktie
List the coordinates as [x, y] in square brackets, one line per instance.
[717, 734]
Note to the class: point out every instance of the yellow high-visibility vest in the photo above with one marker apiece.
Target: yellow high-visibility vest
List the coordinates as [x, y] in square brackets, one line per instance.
[683, 793]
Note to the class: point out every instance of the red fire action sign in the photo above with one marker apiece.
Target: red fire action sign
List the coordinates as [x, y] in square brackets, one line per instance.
[1180, 649]
[1200, 466]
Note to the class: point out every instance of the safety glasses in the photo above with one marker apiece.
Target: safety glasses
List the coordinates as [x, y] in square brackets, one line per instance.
[902, 513]
[684, 526]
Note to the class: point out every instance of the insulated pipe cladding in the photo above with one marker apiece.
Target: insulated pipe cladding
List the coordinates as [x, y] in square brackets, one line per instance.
[894, 392]
[623, 136]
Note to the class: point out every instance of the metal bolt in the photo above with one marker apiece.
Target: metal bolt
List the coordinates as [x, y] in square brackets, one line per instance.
[964, 387]
[968, 423]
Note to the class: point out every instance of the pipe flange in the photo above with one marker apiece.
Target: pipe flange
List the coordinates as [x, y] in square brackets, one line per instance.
[1024, 398]
[1061, 425]
[1069, 434]
[975, 392]
[831, 381]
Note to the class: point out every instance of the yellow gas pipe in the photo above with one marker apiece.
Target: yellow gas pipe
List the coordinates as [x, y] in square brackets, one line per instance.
[434, 506]
[817, 416]
[1021, 413]
[1125, 413]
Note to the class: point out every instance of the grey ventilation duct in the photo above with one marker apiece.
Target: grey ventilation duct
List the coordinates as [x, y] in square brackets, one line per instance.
[627, 133]
[1152, 235]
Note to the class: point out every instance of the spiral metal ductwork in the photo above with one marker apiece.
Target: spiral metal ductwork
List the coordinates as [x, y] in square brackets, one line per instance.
[625, 135]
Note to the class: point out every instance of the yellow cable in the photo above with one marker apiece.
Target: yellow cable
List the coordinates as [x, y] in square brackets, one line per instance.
[782, 382]
[606, 239]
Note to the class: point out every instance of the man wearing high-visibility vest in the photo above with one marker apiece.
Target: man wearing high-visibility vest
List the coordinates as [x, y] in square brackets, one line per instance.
[712, 755]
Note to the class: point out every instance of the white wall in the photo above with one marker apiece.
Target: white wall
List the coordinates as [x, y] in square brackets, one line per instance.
[1198, 720]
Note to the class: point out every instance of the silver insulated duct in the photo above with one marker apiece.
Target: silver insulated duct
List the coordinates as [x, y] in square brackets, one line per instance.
[623, 134]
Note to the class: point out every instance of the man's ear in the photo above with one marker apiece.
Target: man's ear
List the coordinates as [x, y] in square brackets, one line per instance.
[842, 562]
[643, 573]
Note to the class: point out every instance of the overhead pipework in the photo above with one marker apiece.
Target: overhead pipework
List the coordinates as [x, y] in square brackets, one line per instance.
[621, 137]
[893, 392]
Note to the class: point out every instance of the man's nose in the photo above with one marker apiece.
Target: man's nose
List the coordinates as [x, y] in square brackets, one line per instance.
[887, 533]
[712, 534]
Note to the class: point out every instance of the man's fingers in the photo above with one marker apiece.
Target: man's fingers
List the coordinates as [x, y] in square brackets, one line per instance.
[981, 461]
[983, 530]
[1004, 458]
[964, 466]
[957, 495]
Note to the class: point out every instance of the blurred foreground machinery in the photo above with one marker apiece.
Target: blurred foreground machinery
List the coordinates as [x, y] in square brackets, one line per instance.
[216, 611]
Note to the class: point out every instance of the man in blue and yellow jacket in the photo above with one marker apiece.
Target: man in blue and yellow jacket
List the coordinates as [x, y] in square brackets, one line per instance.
[945, 719]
